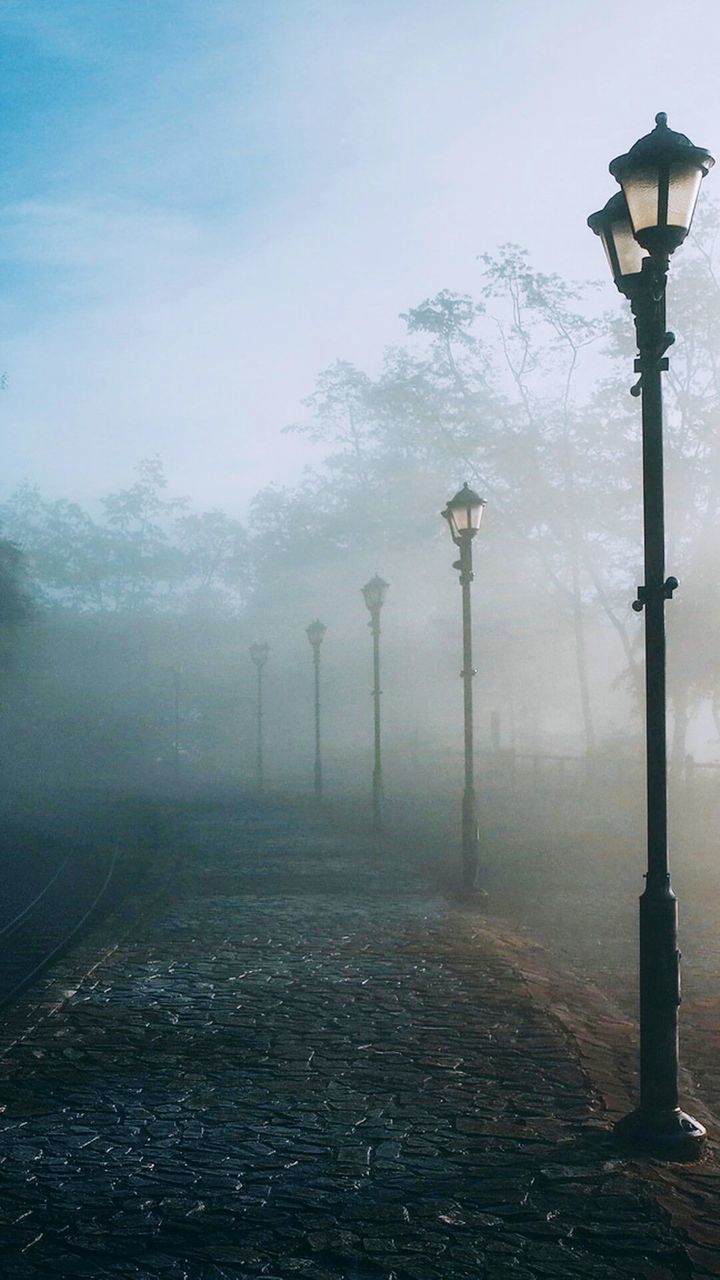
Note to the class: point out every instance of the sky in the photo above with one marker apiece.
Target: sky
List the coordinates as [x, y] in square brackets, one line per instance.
[207, 202]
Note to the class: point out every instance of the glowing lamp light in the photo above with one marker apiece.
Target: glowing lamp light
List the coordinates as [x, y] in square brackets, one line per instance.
[464, 513]
[625, 256]
[660, 176]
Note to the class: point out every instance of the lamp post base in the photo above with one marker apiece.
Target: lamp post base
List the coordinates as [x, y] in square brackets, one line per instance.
[471, 896]
[667, 1135]
[470, 842]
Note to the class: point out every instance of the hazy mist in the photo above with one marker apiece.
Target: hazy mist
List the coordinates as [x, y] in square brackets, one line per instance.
[207, 204]
[278, 279]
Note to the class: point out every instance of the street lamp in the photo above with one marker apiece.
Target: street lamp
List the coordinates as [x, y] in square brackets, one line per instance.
[315, 633]
[259, 654]
[640, 227]
[625, 256]
[375, 592]
[176, 733]
[463, 514]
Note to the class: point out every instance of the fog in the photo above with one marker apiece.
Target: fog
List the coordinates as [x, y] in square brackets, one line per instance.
[278, 280]
[206, 205]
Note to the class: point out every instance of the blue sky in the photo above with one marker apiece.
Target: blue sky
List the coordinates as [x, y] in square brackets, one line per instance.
[205, 202]
[125, 101]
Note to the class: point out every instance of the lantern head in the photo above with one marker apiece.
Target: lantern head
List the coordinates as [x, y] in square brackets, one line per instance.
[464, 513]
[661, 176]
[375, 592]
[315, 633]
[259, 654]
[625, 256]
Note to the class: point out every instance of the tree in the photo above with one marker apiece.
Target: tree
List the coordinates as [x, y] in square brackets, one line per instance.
[149, 553]
[217, 559]
[144, 565]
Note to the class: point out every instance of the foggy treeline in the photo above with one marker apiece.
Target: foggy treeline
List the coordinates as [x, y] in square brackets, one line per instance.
[127, 625]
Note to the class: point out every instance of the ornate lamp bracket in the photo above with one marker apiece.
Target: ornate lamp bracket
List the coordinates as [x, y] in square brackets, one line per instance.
[466, 574]
[648, 308]
[653, 360]
[645, 593]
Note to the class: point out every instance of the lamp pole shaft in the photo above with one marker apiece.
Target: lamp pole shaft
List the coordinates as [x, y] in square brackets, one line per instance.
[377, 780]
[259, 757]
[470, 836]
[176, 740]
[318, 763]
[659, 955]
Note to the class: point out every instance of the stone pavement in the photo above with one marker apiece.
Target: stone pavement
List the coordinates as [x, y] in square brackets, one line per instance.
[301, 1064]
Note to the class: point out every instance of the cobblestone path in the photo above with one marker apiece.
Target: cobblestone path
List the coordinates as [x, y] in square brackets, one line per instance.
[304, 1066]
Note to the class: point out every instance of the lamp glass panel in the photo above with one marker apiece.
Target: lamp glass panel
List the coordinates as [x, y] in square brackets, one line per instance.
[374, 592]
[452, 522]
[683, 191]
[608, 255]
[460, 517]
[447, 515]
[641, 192]
[466, 516]
[630, 253]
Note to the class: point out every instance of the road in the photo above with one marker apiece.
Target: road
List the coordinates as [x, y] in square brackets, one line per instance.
[304, 1062]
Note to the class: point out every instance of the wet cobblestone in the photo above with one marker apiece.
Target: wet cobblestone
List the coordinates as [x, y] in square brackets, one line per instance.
[302, 1067]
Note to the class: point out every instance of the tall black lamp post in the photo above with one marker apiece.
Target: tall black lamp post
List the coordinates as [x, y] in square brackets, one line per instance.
[640, 227]
[375, 592]
[259, 654]
[315, 633]
[463, 514]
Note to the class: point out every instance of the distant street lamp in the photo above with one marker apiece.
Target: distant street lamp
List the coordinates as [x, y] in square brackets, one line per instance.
[463, 514]
[315, 633]
[176, 732]
[259, 654]
[640, 227]
[375, 592]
